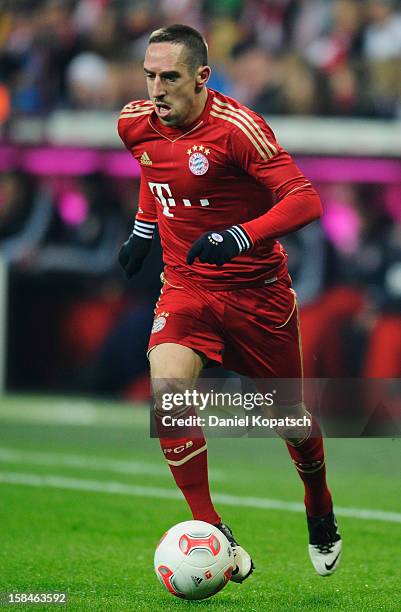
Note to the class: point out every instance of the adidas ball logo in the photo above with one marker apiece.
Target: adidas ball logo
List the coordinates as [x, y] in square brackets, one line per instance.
[196, 580]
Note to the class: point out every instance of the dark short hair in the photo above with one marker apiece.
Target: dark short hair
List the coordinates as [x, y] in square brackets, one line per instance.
[190, 38]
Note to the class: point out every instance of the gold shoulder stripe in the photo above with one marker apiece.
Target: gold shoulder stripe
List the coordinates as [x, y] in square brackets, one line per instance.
[248, 126]
[134, 106]
[137, 114]
[137, 109]
[250, 119]
[139, 102]
[250, 122]
[243, 129]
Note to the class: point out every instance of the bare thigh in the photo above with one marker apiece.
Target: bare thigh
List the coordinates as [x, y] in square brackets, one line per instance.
[169, 360]
[174, 369]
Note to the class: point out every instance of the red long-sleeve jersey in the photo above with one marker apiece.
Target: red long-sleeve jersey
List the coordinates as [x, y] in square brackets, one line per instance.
[226, 169]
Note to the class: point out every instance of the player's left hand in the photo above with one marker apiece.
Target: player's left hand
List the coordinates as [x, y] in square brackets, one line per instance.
[219, 247]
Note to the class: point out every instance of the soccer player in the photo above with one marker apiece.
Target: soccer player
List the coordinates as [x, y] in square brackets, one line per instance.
[222, 191]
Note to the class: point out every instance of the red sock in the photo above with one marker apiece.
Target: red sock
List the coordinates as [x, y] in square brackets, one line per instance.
[187, 459]
[308, 458]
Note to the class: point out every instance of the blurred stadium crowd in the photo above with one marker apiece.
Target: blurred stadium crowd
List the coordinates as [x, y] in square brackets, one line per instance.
[74, 322]
[324, 57]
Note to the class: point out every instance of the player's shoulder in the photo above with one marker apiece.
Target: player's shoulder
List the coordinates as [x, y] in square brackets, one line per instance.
[136, 109]
[244, 123]
[224, 107]
[134, 117]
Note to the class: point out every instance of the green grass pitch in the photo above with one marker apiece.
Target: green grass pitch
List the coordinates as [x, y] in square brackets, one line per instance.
[85, 497]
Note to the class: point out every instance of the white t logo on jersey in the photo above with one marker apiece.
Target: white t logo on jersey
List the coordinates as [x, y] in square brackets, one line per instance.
[158, 189]
[161, 190]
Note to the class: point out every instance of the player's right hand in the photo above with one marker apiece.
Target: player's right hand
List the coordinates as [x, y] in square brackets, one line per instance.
[135, 249]
[219, 247]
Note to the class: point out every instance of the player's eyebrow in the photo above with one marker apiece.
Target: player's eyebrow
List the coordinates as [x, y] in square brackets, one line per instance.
[164, 75]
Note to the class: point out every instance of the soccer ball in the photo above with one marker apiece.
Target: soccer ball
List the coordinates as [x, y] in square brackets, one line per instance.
[194, 560]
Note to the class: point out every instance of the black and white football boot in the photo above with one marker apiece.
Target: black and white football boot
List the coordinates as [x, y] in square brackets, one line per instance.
[325, 544]
[244, 564]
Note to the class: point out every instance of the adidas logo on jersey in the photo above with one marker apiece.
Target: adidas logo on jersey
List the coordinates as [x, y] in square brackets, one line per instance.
[145, 159]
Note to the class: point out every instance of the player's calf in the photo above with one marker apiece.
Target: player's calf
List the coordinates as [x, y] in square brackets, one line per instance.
[185, 450]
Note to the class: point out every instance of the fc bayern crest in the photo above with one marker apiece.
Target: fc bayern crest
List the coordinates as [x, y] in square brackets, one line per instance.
[159, 322]
[198, 164]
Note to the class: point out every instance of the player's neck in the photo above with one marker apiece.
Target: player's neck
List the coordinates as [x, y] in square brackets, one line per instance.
[197, 110]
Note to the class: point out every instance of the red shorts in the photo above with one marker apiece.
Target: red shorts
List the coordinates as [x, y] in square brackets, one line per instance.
[252, 331]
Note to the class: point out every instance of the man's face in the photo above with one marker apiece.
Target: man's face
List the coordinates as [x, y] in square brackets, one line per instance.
[171, 83]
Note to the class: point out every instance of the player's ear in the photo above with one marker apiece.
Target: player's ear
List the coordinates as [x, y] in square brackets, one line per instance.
[202, 76]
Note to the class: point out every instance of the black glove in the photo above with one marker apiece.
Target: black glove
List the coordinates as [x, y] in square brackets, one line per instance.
[135, 249]
[219, 247]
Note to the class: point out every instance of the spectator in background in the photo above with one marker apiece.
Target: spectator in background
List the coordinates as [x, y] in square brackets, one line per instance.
[98, 28]
[106, 334]
[324, 320]
[5, 103]
[16, 51]
[382, 36]
[224, 35]
[385, 80]
[343, 56]
[338, 41]
[310, 21]
[383, 349]
[183, 11]
[85, 230]
[255, 77]
[69, 283]
[50, 45]
[268, 22]
[138, 19]
[272, 84]
[309, 260]
[298, 87]
[377, 265]
[359, 315]
[342, 94]
[103, 331]
[90, 83]
[382, 49]
[119, 366]
[230, 9]
[25, 213]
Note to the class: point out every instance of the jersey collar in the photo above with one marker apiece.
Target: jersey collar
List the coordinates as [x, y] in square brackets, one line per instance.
[174, 133]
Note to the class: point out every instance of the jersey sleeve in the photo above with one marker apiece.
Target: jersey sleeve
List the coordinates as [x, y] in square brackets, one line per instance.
[129, 131]
[130, 122]
[147, 210]
[255, 150]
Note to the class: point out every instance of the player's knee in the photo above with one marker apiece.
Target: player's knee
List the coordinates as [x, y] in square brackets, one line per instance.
[174, 369]
[294, 422]
[170, 397]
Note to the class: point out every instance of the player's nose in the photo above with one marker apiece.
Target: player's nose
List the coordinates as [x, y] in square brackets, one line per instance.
[158, 88]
